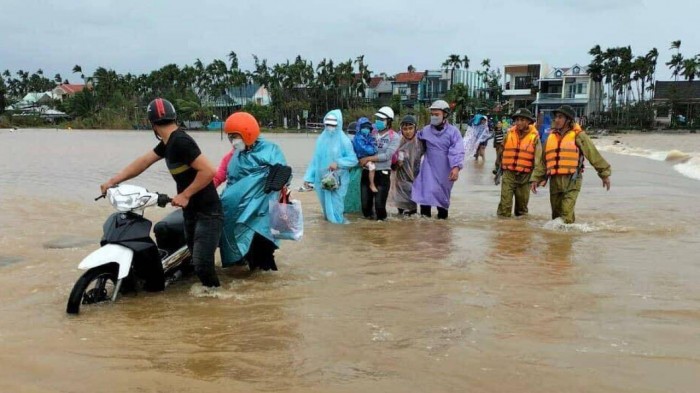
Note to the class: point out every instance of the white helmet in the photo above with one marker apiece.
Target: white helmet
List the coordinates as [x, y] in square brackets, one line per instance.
[441, 105]
[385, 112]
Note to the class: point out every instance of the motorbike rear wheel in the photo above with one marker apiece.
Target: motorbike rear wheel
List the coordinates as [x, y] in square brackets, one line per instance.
[96, 285]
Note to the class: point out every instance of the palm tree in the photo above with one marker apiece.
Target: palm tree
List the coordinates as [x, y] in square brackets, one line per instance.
[595, 70]
[453, 62]
[79, 70]
[690, 69]
[652, 58]
[676, 64]
[677, 59]
[676, 45]
[465, 62]
[365, 76]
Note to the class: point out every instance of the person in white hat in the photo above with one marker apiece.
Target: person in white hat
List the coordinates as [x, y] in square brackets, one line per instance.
[374, 203]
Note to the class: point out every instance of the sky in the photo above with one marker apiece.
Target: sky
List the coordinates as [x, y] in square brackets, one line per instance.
[140, 36]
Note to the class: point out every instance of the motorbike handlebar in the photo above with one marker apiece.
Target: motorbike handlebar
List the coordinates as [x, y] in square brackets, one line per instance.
[163, 200]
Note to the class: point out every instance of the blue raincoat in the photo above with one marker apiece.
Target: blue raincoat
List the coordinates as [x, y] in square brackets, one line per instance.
[332, 146]
[244, 202]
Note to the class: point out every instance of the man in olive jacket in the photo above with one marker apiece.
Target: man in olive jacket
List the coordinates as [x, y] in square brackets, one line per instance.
[562, 164]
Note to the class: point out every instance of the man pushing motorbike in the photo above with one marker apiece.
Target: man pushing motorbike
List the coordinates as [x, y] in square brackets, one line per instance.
[193, 175]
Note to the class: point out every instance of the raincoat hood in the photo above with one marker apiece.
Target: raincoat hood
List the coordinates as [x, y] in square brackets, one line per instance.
[339, 117]
[332, 147]
[477, 119]
[362, 121]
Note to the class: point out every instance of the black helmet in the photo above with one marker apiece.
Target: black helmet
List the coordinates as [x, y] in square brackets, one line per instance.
[161, 111]
[524, 113]
[567, 111]
[408, 119]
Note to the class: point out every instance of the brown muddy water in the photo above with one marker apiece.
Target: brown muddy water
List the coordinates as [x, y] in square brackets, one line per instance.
[478, 304]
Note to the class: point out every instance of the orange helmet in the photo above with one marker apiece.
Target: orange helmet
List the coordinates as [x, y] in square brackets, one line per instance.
[243, 124]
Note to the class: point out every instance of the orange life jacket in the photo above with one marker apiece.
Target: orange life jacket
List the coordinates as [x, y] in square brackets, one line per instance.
[519, 153]
[561, 152]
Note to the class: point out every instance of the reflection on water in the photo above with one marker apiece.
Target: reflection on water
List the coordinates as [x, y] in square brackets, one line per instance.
[405, 305]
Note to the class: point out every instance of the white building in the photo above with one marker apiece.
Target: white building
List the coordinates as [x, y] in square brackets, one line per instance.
[568, 86]
[520, 82]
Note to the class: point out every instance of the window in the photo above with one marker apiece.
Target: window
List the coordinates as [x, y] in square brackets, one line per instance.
[523, 82]
[558, 74]
[582, 88]
[577, 70]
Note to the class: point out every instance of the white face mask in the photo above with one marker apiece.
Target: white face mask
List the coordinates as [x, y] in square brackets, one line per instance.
[435, 120]
[238, 144]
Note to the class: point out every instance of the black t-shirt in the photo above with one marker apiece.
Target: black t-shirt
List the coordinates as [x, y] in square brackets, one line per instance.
[179, 154]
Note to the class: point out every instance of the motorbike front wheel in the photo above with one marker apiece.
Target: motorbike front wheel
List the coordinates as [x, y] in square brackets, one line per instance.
[96, 285]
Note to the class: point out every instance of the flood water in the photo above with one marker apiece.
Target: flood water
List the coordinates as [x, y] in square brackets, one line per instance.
[475, 303]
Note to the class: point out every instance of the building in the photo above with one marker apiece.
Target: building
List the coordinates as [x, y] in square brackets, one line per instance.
[66, 90]
[32, 101]
[436, 83]
[407, 85]
[371, 92]
[680, 99]
[568, 86]
[239, 96]
[384, 91]
[520, 83]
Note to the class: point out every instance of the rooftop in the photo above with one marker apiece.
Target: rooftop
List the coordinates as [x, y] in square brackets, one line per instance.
[681, 90]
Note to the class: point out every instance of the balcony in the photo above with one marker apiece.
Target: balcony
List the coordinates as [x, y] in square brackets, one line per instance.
[517, 92]
[550, 96]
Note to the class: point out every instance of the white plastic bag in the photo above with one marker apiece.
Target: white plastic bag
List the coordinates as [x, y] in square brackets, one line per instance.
[286, 219]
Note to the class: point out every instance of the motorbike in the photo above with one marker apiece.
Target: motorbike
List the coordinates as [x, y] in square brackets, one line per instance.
[128, 258]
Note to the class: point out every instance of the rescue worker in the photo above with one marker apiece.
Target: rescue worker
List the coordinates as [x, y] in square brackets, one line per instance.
[562, 164]
[521, 153]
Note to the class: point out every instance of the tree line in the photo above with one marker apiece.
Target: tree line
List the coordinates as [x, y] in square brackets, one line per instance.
[199, 90]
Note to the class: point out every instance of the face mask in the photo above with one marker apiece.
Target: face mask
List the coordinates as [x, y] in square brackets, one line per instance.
[331, 128]
[435, 120]
[380, 125]
[238, 144]
[365, 131]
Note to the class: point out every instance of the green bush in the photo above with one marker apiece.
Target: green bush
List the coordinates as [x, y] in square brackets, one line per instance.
[350, 115]
[5, 122]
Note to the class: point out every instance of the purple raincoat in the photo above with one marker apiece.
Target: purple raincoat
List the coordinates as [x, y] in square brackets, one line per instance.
[444, 150]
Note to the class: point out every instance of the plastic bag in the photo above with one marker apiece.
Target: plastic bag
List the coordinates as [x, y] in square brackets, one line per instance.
[330, 181]
[286, 218]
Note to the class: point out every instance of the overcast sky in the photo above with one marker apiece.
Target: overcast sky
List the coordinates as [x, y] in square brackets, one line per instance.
[139, 36]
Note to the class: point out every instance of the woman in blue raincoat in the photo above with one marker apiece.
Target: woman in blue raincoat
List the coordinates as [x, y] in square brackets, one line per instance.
[246, 236]
[334, 153]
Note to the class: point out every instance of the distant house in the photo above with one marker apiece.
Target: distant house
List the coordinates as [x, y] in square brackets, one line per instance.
[571, 86]
[680, 99]
[436, 83]
[520, 83]
[66, 90]
[371, 90]
[239, 96]
[407, 85]
[384, 90]
[31, 101]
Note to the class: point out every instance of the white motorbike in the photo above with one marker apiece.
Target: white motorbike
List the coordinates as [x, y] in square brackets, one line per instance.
[129, 258]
